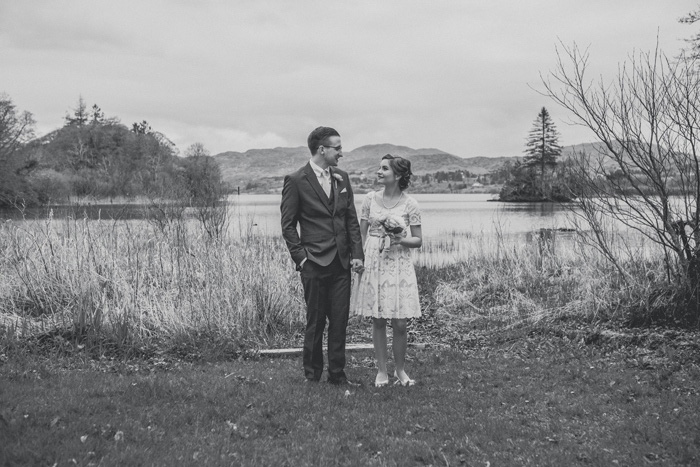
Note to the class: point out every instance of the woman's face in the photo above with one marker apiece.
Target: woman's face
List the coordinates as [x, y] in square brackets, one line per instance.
[385, 175]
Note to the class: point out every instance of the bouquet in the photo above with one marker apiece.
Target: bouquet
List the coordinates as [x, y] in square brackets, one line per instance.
[393, 225]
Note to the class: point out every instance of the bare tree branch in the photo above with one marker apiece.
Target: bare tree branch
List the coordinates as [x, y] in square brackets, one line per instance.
[645, 174]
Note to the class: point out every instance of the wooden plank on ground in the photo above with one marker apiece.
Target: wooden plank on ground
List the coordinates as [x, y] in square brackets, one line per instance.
[295, 351]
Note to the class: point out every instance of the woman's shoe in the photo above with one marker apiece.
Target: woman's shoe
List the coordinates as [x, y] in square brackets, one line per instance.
[406, 382]
[381, 382]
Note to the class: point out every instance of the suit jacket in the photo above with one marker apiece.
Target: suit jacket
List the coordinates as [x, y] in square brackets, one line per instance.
[326, 226]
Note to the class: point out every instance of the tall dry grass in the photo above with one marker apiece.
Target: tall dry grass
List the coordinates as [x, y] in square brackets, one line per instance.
[505, 280]
[129, 282]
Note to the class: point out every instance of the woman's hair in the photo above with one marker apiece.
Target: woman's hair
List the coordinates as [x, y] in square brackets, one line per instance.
[402, 168]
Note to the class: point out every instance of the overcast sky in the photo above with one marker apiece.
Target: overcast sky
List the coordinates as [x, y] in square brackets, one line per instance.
[234, 75]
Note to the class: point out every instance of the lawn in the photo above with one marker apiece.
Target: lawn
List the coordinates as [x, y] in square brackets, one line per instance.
[523, 397]
[123, 344]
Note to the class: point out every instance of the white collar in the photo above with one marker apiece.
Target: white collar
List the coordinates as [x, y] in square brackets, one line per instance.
[317, 170]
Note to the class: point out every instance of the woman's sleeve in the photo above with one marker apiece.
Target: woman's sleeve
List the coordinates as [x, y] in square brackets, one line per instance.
[364, 212]
[413, 212]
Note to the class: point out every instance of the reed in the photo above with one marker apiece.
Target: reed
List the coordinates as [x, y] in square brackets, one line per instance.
[126, 284]
[524, 279]
[130, 282]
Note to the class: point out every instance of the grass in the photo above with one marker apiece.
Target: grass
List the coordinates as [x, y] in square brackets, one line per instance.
[532, 400]
[131, 284]
[126, 344]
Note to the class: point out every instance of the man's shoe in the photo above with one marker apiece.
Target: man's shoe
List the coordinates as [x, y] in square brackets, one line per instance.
[338, 381]
[342, 382]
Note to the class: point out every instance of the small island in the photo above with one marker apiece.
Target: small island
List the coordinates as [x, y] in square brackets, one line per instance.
[536, 179]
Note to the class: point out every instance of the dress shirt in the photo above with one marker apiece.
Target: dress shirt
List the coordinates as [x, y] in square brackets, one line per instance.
[324, 177]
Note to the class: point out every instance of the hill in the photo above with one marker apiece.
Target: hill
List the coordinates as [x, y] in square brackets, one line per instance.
[243, 168]
[239, 168]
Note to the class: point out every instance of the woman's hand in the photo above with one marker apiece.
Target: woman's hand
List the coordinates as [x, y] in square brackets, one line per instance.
[396, 238]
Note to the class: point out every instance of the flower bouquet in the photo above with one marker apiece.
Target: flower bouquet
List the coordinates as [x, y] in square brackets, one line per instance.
[393, 225]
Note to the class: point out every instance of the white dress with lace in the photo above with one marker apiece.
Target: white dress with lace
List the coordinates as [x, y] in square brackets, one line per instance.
[387, 288]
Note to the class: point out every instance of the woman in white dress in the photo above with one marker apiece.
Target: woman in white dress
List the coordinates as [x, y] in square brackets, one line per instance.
[387, 289]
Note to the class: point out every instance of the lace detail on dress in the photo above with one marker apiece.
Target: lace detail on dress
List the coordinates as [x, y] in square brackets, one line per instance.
[388, 287]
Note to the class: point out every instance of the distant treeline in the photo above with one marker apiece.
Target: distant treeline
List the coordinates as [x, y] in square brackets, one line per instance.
[95, 156]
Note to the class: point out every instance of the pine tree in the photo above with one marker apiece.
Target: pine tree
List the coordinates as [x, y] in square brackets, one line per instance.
[542, 146]
[98, 116]
[80, 114]
[142, 128]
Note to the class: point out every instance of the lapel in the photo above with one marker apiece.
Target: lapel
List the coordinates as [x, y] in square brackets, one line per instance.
[313, 181]
[335, 185]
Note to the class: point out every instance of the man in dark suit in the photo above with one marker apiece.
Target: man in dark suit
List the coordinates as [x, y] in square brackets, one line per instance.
[319, 199]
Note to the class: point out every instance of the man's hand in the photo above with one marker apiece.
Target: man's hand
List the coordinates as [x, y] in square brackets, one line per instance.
[357, 265]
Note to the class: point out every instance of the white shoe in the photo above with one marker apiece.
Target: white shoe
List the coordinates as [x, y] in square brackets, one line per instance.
[381, 382]
[407, 382]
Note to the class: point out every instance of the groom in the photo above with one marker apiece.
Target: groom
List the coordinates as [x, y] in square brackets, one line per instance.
[318, 198]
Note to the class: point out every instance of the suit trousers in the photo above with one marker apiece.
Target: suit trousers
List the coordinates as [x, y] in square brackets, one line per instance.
[327, 296]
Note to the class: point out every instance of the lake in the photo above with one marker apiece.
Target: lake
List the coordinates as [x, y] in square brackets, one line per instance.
[442, 214]
[454, 225]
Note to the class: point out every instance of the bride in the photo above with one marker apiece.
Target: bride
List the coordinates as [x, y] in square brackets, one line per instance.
[390, 223]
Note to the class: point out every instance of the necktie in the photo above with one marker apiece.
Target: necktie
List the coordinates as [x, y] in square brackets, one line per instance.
[327, 182]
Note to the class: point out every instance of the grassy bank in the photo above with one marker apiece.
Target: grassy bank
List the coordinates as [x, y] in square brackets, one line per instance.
[537, 400]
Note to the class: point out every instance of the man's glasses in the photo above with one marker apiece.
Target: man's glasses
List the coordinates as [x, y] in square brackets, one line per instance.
[337, 148]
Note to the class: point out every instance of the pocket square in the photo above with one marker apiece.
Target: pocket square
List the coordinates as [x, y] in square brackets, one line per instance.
[344, 190]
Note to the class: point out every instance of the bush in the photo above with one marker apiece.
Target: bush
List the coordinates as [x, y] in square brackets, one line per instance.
[50, 186]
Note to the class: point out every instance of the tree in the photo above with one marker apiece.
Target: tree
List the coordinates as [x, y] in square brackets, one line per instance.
[154, 149]
[80, 114]
[542, 147]
[520, 185]
[648, 125]
[196, 150]
[98, 116]
[16, 129]
[694, 41]
[207, 190]
[142, 128]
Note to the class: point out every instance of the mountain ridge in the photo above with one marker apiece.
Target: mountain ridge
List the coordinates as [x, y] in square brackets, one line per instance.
[239, 168]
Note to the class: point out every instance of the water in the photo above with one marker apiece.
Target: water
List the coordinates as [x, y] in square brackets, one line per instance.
[104, 211]
[454, 225]
[443, 215]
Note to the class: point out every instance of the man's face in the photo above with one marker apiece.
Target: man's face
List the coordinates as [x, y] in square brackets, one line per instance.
[331, 151]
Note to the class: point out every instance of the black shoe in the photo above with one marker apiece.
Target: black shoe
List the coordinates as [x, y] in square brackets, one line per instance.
[338, 381]
[342, 382]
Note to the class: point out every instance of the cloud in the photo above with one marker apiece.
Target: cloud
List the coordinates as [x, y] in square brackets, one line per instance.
[46, 26]
[218, 140]
[237, 75]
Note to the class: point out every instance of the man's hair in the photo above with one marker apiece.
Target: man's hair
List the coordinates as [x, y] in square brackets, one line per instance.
[402, 168]
[319, 136]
